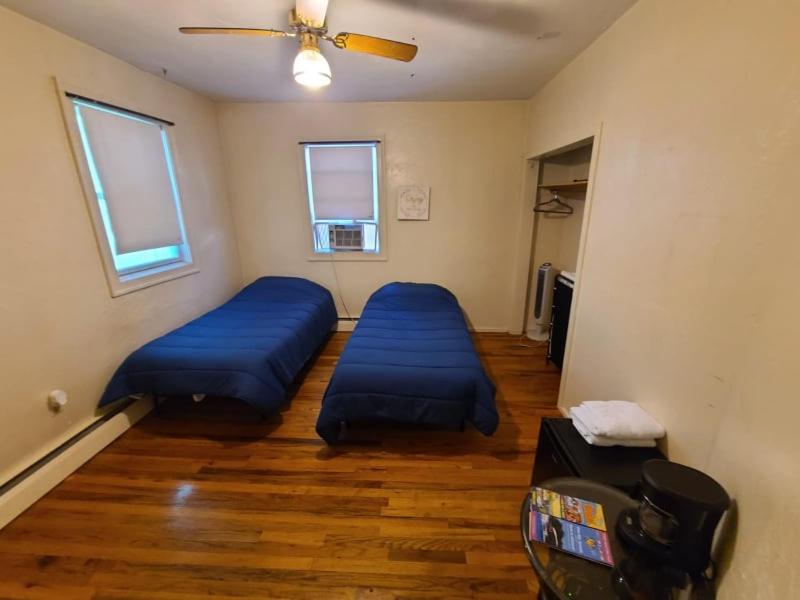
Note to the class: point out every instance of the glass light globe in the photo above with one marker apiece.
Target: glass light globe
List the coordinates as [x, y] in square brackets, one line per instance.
[311, 69]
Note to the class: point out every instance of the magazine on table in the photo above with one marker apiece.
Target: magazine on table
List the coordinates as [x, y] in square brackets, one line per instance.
[570, 524]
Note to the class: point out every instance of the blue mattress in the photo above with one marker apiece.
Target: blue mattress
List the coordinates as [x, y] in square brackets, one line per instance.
[251, 348]
[409, 360]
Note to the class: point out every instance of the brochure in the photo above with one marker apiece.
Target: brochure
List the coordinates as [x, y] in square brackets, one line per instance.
[572, 509]
[570, 524]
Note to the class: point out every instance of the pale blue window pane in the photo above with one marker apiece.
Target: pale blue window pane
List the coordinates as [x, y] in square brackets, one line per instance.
[131, 261]
[320, 228]
[370, 237]
[321, 238]
[145, 258]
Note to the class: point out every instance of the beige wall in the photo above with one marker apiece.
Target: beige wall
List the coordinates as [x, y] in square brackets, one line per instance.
[470, 153]
[60, 327]
[689, 294]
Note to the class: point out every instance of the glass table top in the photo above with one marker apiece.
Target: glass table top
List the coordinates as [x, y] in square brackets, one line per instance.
[568, 577]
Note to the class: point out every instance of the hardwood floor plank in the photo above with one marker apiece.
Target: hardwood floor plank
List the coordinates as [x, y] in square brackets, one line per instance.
[211, 500]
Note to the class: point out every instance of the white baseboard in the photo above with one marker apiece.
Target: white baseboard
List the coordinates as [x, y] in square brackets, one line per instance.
[23, 495]
[345, 325]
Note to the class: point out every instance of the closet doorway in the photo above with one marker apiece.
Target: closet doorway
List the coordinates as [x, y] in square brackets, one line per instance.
[559, 184]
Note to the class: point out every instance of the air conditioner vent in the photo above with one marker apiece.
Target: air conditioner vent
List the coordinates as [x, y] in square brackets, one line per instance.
[346, 237]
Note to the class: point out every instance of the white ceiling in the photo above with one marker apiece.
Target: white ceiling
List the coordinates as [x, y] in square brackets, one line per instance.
[469, 49]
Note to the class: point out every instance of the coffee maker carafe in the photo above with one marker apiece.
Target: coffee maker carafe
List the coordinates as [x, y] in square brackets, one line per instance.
[675, 521]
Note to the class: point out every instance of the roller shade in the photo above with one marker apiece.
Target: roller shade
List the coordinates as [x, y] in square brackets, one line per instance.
[132, 167]
[342, 182]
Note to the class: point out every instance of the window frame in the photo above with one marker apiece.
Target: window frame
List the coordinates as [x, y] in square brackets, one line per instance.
[380, 202]
[124, 281]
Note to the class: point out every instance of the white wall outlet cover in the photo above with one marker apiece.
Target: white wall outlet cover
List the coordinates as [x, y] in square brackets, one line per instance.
[57, 399]
[413, 203]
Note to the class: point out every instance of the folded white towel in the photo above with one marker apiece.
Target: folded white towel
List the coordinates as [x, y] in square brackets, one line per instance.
[618, 419]
[599, 440]
[569, 275]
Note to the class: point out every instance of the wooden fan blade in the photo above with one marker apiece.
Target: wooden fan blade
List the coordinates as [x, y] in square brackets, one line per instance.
[234, 31]
[355, 42]
[311, 12]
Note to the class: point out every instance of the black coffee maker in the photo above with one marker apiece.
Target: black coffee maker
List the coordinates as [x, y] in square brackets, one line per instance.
[675, 521]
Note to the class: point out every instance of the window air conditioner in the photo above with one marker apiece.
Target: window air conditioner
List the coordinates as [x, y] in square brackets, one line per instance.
[346, 237]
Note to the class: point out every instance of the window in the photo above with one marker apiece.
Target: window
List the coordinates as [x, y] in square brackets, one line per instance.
[343, 198]
[135, 193]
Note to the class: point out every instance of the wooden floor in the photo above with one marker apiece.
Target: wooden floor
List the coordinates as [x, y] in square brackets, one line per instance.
[208, 500]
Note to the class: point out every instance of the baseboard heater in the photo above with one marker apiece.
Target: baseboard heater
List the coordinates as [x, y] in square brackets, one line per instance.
[50, 456]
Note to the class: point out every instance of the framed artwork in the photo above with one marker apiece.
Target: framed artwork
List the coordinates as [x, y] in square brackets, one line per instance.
[413, 203]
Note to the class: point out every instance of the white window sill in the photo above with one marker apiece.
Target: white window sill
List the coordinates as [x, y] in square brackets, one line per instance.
[131, 282]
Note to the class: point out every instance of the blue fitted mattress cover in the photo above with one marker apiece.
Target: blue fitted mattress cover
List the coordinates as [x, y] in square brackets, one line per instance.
[410, 360]
[250, 348]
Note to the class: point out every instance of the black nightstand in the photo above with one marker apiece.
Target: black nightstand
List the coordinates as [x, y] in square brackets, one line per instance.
[562, 452]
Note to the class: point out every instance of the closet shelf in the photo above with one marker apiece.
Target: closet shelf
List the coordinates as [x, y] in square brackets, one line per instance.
[566, 186]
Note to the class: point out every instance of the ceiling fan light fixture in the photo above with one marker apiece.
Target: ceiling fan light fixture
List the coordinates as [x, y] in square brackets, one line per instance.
[311, 69]
[312, 12]
[307, 24]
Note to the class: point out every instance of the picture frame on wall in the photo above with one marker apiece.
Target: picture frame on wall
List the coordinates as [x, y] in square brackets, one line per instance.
[413, 203]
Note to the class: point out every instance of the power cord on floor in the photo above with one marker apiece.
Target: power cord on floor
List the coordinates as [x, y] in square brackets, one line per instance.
[331, 252]
[339, 288]
[525, 338]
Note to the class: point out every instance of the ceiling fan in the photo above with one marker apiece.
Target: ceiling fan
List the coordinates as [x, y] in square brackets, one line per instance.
[307, 23]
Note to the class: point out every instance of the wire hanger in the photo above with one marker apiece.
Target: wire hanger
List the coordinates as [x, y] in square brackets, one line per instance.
[557, 206]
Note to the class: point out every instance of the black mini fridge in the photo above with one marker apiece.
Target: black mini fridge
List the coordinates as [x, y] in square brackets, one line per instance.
[559, 321]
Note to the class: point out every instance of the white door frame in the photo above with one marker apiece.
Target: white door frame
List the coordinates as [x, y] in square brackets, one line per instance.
[527, 239]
